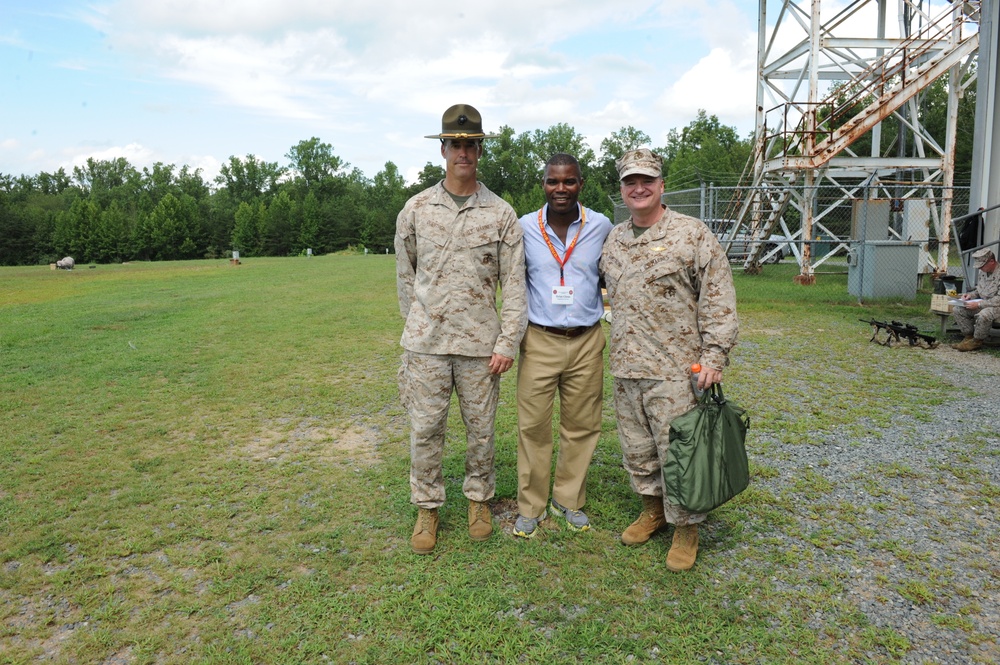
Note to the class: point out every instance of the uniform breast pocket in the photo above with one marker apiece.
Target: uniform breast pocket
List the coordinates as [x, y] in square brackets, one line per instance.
[667, 277]
[435, 239]
[482, 248]
[612, 273]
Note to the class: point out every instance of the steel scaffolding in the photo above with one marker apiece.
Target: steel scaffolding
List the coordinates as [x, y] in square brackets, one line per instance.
[827, 81]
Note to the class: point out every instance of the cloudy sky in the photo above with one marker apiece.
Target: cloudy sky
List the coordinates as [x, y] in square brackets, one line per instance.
[196, 81]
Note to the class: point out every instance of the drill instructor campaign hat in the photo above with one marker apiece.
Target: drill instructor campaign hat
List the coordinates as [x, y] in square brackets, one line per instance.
[462, 121]
[982, 257]
[642, 161]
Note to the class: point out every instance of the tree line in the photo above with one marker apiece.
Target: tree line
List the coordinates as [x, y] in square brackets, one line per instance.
[108, 211]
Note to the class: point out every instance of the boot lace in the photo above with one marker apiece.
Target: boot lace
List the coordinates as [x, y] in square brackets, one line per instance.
[426, 519]
[481, 512]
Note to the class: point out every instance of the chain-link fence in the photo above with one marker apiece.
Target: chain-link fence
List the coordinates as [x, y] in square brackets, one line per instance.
[885, 237]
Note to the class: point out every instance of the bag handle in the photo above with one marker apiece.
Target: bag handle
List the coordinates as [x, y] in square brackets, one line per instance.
[716, 394]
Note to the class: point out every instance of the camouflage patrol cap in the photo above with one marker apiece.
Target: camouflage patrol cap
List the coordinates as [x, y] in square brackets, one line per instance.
[462, 121]
[642, 161]
[982, 257]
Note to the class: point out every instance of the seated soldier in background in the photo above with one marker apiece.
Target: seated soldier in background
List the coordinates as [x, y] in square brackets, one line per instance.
[975, 318]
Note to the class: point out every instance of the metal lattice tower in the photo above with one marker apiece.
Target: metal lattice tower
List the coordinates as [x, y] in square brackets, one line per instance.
[824, 82]
[985, 188]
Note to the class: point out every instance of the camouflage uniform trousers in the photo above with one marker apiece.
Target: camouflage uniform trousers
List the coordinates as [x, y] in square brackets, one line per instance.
[644, 408]
[425, 385]
[975, 323]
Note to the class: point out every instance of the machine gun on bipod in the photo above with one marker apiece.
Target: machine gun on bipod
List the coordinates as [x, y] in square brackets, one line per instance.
[897, 331]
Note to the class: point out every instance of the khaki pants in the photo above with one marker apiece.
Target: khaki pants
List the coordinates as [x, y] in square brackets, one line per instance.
[574, 367]
[645, 408]
[425, 386]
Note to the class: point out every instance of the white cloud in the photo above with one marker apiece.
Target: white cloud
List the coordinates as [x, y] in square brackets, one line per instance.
[76, 64]
[301, 58]
[730, 31]
[723, 82]
[273, 78]
[411, 24]
[136, 154]
[12, 38]
[615, 115]
[139, 157]
[208, 164]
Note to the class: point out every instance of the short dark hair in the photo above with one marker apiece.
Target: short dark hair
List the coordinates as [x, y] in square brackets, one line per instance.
[563, 159]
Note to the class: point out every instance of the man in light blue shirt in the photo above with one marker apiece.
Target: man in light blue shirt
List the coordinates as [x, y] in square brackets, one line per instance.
[562, 349]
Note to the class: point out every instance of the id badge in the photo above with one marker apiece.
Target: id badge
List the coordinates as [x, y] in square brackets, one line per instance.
[562, 295]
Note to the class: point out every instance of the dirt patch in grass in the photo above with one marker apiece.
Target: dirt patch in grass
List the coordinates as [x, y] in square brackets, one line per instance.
[43, 610]
[122, 657]
[354, 445]
[505, 512]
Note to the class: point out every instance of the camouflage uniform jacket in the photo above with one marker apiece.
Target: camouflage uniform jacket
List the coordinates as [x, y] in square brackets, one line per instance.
[672, 299]
[449, 262]
[988, 288]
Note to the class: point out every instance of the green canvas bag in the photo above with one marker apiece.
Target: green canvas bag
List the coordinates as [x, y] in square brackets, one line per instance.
[706, 464]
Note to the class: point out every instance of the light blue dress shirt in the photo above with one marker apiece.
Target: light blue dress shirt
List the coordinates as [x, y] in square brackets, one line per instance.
[580, 272]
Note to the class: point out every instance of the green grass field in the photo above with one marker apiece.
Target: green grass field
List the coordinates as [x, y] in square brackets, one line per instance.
[208, 463]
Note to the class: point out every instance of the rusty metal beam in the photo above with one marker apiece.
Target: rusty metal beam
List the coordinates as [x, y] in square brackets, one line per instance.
[882, 108]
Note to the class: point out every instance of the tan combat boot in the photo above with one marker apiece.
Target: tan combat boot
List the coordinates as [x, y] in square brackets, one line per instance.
[480, 521]
[970, 345]
[650, 521]
[425, 531]
[684, 548]
[967, 338]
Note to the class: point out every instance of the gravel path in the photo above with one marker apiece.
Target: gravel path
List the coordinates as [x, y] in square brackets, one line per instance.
[918, 548]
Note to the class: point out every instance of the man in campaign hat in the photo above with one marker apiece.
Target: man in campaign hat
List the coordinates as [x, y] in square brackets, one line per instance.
[982, 305]
[673, 304]
[456, 242]
[462, 121]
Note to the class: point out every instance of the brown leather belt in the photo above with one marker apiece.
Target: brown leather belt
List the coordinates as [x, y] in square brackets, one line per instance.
[564, 332]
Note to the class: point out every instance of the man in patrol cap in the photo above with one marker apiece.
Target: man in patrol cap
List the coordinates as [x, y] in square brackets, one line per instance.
[672, 305]
[456, 242]
[975, 318]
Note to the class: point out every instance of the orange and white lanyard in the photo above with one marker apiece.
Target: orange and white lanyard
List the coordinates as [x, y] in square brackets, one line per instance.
[572, 244]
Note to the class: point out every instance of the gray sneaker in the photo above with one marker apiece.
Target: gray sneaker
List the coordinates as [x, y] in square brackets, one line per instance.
[527, 527]
[575, 519]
